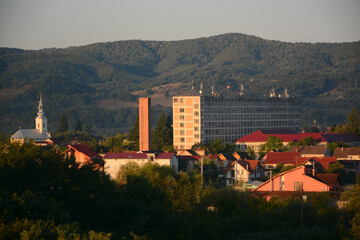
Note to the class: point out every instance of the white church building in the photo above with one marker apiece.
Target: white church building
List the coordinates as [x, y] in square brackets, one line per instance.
[39, 135]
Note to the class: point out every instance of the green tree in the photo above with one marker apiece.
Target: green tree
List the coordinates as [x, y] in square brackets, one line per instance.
[310, 141]
[216, 146]
[251, 152]
[281, 168]
[63, 124]
[334, 145]
[78, 127]
[272, 143]
[162, 135]
[353, 122]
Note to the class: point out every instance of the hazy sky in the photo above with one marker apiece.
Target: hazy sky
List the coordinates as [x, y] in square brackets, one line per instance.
[35, 24]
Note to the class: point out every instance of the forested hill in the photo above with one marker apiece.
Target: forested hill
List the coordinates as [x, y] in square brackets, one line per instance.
[99, 83]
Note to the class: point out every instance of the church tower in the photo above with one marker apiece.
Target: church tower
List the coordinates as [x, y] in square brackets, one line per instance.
[40, 120]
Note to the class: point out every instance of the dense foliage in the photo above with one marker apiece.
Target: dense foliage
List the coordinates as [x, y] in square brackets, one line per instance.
[93, 83]
[43, 196]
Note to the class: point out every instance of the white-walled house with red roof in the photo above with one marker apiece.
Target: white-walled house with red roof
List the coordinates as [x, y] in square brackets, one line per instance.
[242, 171]
[114, 161]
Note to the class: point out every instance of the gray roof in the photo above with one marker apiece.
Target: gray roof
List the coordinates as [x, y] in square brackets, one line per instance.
[34, 134]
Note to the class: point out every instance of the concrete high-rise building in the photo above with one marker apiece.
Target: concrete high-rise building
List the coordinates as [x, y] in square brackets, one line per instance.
[204, 118]
[144, 124]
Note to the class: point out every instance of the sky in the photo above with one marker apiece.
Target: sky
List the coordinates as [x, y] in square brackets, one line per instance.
[37, 24]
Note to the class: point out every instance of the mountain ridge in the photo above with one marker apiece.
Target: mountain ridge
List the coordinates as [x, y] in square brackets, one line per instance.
[74, 80]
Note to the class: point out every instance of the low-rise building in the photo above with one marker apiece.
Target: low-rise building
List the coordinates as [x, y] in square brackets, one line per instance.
[255, 139]
[84, 155]
[242, 171]
[114, 161]
[300, 180]
[313, 151]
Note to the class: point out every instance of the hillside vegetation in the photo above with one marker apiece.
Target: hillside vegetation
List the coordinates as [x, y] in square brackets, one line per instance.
[99, 83]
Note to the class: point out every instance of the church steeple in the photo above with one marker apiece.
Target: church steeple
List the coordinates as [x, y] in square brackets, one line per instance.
[41, 121]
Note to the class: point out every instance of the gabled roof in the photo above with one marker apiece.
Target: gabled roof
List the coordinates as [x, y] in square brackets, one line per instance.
[34, 134]
[324, 162]
[125, 155]
[291, 170]
[85, 150]
[345, 152]
[189, 157]
[241, 155]
[248, 165]
[164, 155]
[281, 157]
[328, 178]
[227, 156]
[311, 149]
[340, 137]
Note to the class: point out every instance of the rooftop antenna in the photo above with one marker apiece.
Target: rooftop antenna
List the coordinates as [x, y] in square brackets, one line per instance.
[272, 93]
[192, 87]
[251, 89]
[201, 85]
[241, 90]
[286, 93]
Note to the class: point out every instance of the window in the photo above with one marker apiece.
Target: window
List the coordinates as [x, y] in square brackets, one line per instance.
[196, 120]
[298, 186]
[175, 100]
[182, 117]
[196, 129]
[181, 100]
[181, 124]
[182, 139]
[182, 132]
[182, 110]
[196, 135]
[282, 183]
[196, 106]
[196, 113]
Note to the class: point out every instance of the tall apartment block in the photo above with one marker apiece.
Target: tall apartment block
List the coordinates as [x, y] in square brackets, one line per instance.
[144, 124]
[204, 118]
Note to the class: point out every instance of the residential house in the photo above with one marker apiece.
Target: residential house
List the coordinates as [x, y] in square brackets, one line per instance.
[312, 151]
[242, 171]
[299, 181]
[114, 161]
[347, 153]
[349, 157]
[84, 155]
[272, 159]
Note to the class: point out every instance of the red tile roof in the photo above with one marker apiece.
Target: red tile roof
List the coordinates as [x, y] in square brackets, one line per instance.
[126, 155]
[85, 150]
[189, 157]
[323, 161]
[262, 136]
[328, 178]
[281, 157]
[164, 155]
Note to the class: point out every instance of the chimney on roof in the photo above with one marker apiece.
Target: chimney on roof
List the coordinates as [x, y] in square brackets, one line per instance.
[313, 170]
